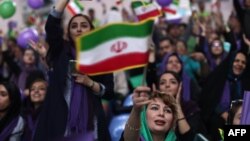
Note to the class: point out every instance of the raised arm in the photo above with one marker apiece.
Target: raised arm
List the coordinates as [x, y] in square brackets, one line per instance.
[132, 128]
[54, 31]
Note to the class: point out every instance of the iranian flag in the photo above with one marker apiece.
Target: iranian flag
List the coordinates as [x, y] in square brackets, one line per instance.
[144, 10]
[114, 47]
[74, 7]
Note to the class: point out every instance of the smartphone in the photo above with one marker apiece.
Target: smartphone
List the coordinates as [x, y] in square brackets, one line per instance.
[72, 66]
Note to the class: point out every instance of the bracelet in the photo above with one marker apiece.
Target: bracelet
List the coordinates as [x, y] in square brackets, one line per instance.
[181, 119]
[132, 128]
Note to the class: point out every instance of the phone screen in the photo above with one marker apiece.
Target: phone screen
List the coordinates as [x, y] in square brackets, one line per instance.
[72, 66]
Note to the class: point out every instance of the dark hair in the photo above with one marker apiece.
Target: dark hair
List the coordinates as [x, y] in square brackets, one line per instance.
[163, 38]
[182, 41]
[79, 15]
[15, 103]
[235, 105]
[33, 76]
[176, 76]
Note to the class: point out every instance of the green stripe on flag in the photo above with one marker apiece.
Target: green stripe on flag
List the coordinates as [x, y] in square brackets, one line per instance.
[136, 4]
[79, 5]
[176, 2]
[113, 31]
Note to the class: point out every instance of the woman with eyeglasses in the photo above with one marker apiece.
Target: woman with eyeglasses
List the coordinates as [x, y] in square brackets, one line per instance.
[227, 83]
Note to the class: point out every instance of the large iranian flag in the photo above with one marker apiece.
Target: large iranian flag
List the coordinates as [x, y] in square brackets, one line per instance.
[115, 47]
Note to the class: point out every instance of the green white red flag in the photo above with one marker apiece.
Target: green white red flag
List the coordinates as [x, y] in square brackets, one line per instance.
[145, 10]
[74, 7]
[114, 47]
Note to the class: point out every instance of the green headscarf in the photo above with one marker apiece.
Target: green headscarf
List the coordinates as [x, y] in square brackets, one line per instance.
[145, 130]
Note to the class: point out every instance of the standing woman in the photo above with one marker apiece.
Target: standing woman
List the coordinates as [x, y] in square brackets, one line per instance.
[72, 105]
[11, 123]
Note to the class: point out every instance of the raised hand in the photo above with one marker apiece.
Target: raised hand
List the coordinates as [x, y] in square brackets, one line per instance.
[39, 48]
[178, 96]
[140, 97]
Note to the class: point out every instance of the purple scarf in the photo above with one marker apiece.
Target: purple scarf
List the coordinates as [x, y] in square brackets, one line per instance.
[5, 134]
[78, 113]
[211, 59]
[225, 99]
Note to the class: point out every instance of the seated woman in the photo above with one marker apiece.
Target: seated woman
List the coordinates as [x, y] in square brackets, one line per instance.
[11, 123]
[155, 121]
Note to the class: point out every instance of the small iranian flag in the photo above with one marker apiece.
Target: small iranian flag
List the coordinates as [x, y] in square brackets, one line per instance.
[118, 2]
[144, 10]
[114, 47]
[74, 7]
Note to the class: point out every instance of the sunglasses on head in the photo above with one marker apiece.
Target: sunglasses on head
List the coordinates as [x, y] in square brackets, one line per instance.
[236, 103]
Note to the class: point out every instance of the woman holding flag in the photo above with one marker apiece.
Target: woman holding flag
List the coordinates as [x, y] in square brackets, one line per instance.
[72, 106]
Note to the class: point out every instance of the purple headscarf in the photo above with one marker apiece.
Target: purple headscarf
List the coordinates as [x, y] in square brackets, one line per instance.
[211, 59]
[185, 79]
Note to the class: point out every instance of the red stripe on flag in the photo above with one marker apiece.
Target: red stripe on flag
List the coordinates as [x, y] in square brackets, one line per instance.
[115, 63]
[149, 15]
[168, 10]
[71, 10]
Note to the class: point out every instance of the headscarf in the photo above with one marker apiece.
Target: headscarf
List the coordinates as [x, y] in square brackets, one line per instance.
[145, 132]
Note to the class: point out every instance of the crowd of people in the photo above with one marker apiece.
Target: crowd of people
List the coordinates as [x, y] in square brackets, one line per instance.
[195, 81]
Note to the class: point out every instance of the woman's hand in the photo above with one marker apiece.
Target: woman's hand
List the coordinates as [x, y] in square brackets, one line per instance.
[178, 95]
[39, 48]
[83, 79]
[140, 98]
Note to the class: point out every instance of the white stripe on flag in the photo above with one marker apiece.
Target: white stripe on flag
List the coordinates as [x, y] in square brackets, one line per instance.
[103, 51]
[74, 6]
[145, 9]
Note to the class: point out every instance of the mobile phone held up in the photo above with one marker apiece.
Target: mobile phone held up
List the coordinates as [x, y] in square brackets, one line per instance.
[72, 66]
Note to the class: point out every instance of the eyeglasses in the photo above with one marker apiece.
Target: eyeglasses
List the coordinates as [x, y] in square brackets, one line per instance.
[235, 103]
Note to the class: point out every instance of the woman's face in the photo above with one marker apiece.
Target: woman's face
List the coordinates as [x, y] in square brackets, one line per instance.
[29, 57]
[4, 98]
[159, 116]
[38, 91]
[239, 64]
[237, 116]
[169, 84]
[78, 27]
[216, 48]
[181, 48]
[173, 64]
[165, 47]
[247, 3]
